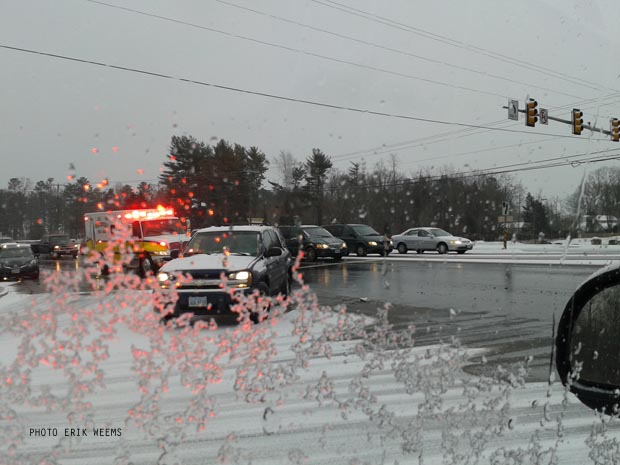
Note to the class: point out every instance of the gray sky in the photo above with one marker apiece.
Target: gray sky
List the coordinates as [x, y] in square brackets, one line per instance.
[118, 124]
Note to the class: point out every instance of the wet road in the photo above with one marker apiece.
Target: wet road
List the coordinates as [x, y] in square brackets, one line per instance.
[507, 308]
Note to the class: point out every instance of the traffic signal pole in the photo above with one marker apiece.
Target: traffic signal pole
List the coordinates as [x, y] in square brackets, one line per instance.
[583, 126]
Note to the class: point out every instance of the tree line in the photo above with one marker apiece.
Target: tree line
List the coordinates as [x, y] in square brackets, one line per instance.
[225, 183]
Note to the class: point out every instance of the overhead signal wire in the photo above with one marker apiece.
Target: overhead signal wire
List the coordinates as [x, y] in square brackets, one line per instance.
[437, 138]
[394, 50]
[449, 41]
[296, 50]
[269, 95]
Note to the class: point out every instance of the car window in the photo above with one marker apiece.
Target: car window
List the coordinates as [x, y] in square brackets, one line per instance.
[317, 232]
[270, 240]
[364, 230]
[423, 233]
[439, 232]
[15, 252]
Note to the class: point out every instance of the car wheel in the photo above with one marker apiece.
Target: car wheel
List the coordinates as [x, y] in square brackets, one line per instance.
[402, 248]
[442, 248]
[146, 267]
[360, 251]
[311, 254]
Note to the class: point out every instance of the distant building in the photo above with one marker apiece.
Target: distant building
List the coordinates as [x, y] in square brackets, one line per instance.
[598, 223]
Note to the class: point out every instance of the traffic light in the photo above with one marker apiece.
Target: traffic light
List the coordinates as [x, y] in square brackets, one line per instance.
[615, 129]
[531, 113]
[577, 121]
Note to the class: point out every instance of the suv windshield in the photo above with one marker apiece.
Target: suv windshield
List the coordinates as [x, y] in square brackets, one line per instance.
[364, 230]
[59, 240]
[237, 242]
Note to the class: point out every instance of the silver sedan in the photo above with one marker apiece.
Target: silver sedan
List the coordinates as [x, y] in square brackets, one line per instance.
[423, 239]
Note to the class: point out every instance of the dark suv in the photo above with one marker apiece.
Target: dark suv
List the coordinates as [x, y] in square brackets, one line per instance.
[55, 245]
[315, 241]
[251, 257]
[361, 239]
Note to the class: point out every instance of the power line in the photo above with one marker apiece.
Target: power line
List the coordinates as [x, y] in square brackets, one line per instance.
[394, 50]
[303, 52]
[273, 96]
[452, 42]
[514, 168]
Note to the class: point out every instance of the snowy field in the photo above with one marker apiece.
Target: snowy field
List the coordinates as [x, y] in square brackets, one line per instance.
[309, 386]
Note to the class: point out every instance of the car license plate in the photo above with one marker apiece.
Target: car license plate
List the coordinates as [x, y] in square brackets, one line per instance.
[15, 270]
[198, 301]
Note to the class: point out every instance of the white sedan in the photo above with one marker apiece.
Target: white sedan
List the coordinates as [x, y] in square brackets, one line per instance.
[423, 239]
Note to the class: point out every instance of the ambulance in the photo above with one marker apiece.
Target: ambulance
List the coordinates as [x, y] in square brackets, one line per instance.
[153, 234]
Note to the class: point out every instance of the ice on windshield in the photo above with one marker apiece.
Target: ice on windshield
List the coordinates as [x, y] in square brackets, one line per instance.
[237, 242]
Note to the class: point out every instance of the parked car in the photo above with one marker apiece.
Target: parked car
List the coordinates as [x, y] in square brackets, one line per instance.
[361, 238]
[55, 245]
[257, 260]
[17, 261]
[315, 241]
[423, 239]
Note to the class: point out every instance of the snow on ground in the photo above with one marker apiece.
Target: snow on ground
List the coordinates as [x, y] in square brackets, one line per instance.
[311, 386]
[325, 401]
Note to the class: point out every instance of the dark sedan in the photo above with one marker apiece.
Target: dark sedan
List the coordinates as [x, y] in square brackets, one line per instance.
[315, 241]
[17, 261]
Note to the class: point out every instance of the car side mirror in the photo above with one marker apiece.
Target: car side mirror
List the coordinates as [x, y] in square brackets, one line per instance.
[587, 342]
[273, 252]
[174, 254]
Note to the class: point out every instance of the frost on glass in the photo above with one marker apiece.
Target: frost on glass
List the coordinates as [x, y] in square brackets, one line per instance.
[250, 393]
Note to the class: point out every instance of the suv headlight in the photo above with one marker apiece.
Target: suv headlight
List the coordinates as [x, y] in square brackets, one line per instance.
[322, 246]
[372, 243]
[163, 277]
[240, 278]
[344, 245]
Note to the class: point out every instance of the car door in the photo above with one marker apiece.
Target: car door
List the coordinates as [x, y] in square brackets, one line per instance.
[348, 235]
[411, 239]
[276, 265]
[425, 240]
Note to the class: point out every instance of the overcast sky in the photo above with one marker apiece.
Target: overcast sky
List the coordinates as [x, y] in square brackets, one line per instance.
[453, 62]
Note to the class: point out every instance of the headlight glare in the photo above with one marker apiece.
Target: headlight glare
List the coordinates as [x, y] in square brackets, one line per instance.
[240, 276]
[373, 243]
[163, 276]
